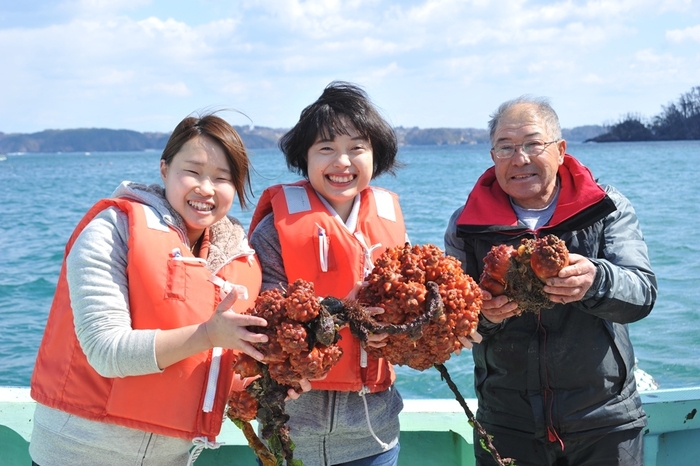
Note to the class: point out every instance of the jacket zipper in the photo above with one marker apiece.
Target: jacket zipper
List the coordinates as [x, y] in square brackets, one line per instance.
[552, 434]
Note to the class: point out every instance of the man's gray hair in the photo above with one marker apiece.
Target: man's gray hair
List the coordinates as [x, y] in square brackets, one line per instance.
[542, 108]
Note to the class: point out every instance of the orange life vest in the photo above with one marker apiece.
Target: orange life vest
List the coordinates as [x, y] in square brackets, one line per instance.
[304, 226]
[168, 288]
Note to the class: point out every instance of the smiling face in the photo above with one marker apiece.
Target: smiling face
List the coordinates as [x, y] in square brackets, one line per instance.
[340, 169]
[198, 184]
[529, 181]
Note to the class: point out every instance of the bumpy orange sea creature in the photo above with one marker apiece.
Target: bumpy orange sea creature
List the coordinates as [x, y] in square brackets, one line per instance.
[301, 335]
[400, 283]
[549, 255]
[301, 344]
[428, 295]
[521, 273]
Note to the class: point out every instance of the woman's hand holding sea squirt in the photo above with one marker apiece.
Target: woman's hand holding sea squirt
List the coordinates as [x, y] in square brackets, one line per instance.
[226, 329]
[470, 340]
[374, 340]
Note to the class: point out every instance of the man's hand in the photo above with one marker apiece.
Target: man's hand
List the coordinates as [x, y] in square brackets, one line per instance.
[573, 281]
[497, 309]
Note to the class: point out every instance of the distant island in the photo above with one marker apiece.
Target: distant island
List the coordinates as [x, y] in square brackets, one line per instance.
[259, 137]
[114, 140]
[677, 122]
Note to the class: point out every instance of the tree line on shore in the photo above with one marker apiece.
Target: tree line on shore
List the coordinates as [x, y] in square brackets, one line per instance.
[109, 140]
[678, 121]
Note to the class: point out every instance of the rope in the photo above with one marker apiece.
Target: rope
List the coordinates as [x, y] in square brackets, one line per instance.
[362, 393]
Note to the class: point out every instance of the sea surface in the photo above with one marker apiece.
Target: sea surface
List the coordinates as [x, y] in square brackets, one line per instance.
[42, 197]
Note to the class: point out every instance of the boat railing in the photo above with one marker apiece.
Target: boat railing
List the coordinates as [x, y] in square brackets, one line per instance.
[432, 431]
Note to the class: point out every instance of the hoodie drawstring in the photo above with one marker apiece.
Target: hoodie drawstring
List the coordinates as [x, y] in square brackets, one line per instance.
[362, 393]
[200, 443]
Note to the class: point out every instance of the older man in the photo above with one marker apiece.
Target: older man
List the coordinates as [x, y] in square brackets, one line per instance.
[556, 387]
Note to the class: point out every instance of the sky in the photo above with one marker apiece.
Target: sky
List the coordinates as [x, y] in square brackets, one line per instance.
[144, 65]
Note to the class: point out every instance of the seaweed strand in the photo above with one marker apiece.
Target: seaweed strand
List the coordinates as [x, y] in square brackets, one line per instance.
[483, 435]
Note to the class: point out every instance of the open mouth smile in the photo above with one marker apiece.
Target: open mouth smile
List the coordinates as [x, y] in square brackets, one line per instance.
[523, 176]
[341, 178]
[201, 206]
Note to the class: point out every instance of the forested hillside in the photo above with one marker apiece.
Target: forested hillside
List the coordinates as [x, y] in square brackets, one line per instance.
[111, 140]
[677, 121]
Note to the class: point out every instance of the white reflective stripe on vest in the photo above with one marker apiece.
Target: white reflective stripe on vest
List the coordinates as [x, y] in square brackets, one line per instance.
[297, 199]
[385, 204]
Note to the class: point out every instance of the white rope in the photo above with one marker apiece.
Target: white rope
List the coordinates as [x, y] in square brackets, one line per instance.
[200, 443]
[362, 393]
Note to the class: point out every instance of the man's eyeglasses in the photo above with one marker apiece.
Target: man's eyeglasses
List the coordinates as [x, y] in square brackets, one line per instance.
[529, 148]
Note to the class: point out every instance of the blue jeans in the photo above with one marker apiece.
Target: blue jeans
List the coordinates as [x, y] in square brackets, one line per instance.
[387, 458]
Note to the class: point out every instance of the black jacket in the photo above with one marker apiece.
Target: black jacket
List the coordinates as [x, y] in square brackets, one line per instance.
[565, 371]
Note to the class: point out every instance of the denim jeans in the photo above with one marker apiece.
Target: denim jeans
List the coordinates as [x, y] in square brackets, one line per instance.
[387, 458]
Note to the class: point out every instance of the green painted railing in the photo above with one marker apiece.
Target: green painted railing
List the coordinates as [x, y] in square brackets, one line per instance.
[433, 432]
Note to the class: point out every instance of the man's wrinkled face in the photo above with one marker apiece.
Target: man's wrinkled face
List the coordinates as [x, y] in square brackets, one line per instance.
[529, 180]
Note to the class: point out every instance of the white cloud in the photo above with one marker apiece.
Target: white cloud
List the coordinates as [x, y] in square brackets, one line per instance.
[651, 57]
[170, 89]
[320, 19]
[678, 5]
[100, 8]
[687, 34]
[592, 78]
[424, 59]
[378, 75]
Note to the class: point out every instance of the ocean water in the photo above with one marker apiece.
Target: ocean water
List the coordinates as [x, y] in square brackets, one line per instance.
[42, 197]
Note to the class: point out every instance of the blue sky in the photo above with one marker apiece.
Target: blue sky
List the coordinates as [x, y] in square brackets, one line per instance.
[144, 65]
